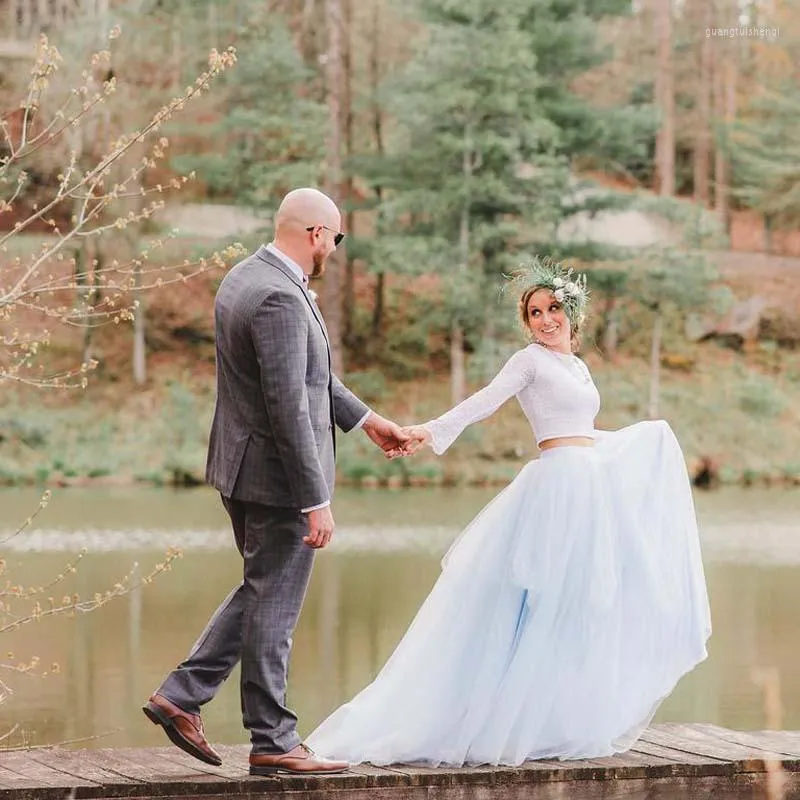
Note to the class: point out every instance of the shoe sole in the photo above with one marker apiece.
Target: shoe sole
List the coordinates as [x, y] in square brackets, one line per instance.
[157, 716]
[266, 772]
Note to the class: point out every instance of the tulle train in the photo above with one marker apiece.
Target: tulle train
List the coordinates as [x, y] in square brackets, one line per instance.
[565, 612]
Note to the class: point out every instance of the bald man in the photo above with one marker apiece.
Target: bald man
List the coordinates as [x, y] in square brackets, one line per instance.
[271, 457]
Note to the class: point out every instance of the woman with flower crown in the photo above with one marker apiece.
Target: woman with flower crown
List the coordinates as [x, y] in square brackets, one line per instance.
[571, 605]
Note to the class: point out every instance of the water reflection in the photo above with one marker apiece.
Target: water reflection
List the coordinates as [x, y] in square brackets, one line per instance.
[364, 594]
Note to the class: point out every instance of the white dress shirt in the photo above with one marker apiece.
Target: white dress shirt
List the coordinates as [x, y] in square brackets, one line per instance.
[297, 270]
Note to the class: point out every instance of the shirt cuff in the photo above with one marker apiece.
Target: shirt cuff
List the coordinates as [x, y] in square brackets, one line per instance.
[315, 508]
[362, 420]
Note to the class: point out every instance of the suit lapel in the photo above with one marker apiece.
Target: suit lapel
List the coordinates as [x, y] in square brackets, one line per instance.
[274, 261]
[318, 315]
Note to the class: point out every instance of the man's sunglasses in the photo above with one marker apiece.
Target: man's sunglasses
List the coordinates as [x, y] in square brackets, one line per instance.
[337, 239]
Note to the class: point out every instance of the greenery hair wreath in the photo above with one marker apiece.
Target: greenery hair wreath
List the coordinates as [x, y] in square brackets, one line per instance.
[568, 287]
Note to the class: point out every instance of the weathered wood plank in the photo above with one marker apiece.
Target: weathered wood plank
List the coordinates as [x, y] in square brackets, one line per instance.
[691, 762]
[786, 743]
[21, 762]
[78, 764]
[114, 762]
[158, 776]
[746, 758]
[744, 786]
[687, 763]
[749, 758]
[372, 771]
[633, 765]
[13, 780]
[232, 767]
[160, 763]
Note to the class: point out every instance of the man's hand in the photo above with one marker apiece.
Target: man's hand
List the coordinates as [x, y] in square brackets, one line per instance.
[389, 436]
[320, 528]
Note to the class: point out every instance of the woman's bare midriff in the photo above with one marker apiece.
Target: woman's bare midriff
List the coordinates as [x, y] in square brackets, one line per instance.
[567, 441]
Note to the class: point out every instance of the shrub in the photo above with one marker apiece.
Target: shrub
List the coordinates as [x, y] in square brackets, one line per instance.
[760, 397]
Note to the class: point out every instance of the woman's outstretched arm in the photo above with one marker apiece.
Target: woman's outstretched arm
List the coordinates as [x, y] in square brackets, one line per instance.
[441, 432]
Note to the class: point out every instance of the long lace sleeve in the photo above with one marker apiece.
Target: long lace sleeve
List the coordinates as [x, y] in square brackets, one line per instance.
[517, 373]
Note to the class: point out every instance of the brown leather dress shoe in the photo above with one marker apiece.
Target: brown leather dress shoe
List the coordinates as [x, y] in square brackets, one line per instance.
[299, 761]
[184, 730]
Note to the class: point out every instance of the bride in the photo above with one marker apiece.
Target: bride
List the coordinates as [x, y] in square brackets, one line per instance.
[570, 606]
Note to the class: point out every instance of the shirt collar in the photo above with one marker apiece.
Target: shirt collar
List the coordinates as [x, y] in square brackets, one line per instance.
[296, 269]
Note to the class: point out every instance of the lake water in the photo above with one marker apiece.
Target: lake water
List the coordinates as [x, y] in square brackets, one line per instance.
[365, 591]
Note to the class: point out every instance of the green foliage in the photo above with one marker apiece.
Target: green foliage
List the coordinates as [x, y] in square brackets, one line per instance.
[609, 282]
[32, 433]
[369, 385]
[668, 277]
[184, 436]
[765, 151]
[760, 397]
[479, 172]
[565, 42]
[11, 473]
[267, 128]
[473, 150]
[677, 276]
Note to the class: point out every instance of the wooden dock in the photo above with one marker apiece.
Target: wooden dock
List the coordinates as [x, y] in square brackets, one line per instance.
[685, 762]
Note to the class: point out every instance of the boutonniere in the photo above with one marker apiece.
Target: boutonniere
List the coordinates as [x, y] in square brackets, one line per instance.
[313, 295]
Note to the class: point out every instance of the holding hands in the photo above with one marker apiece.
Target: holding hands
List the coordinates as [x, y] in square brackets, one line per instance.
[394, 440]
[417, 437]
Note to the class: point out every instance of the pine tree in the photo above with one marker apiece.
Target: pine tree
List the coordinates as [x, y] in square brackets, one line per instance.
[489, 129]
[265, 133]
[765, 153]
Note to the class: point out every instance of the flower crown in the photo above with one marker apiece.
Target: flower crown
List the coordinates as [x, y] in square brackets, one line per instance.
[568, 288]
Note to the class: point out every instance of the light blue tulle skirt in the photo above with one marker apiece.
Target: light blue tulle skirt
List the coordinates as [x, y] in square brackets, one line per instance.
[564, 613]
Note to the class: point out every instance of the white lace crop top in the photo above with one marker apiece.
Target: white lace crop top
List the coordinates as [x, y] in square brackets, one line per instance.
[555, 390]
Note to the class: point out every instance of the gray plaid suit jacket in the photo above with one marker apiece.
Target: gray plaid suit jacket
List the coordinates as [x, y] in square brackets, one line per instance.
[272, 437]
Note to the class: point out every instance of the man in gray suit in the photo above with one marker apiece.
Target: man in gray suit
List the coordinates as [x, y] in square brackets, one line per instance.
[271, 456]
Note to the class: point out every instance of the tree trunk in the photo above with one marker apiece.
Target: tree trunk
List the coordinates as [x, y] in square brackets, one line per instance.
[379, 307]
[12, 22]
[349, 190]
[307, 44]
[665, 100]
[177, 52]
[212, 25]
[725, 102]
[458, 378]
[93, 258]
[139, 328]
[333, 178]
[458, 383]
[83, 291]
[377, 128]
[702, 144]
[610, 337]
[655, 366]
[767, 233]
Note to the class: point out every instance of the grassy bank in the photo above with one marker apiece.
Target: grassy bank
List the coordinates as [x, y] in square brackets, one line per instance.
[738, 412]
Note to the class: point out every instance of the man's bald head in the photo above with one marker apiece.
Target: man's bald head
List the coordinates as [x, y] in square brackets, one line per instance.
[302, 208]
[306, 225]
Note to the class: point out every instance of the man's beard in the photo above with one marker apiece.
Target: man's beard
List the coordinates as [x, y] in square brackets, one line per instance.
[318, 260]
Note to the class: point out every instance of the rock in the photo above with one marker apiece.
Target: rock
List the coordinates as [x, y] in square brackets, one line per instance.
[705, 472]
[741, 323]
[185, 478]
